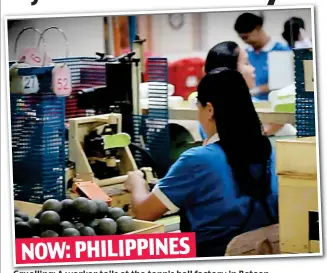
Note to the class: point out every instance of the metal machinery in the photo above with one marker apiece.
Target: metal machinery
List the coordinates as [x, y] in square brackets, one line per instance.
[102, 158]
[100, 146]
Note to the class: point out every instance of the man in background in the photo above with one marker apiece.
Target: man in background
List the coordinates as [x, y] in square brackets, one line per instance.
[250, 29]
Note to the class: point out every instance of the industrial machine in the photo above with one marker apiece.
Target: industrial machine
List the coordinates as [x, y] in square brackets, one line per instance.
[102, 147]
[120, 94]
[102, 159]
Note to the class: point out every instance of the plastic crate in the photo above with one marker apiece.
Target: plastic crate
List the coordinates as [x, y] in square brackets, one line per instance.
[139, 137]
[86, 73]
[185, 75]
[38, 138]
[305, 101]
[157, 120]
[152, 130]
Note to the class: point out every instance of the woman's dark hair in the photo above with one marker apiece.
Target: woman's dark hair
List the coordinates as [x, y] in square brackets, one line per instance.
[224, 54]
[247, 22]
[292, 30]
[239, 129]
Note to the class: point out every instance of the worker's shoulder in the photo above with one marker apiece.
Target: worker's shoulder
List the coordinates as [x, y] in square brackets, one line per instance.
[278, 46]
[205, 153]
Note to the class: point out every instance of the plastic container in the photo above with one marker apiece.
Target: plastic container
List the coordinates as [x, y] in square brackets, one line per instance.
[283, 100]
[186, 74]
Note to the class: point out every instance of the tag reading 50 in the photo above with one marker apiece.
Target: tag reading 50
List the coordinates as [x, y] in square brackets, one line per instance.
[32, 56]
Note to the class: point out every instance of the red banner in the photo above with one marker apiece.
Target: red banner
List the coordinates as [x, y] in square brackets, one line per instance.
[105, 248]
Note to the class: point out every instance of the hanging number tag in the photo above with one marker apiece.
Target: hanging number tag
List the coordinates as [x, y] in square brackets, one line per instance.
[32, 56]
[22, 84]
[61, 81]
[31, 84]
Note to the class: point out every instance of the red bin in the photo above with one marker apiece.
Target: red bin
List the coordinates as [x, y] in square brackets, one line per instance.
[185, 75]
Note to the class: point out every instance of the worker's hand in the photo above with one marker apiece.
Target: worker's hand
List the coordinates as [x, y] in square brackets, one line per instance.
[134, 179]
[139, 173]
[154, 181]
[255, 91]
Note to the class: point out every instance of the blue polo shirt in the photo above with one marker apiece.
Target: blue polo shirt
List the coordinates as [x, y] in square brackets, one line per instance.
[201, 183]
[259, 60]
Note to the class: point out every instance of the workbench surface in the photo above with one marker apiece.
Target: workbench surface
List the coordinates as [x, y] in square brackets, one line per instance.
[266, 115]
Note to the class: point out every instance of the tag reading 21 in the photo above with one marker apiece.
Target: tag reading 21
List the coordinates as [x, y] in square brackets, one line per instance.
[31, 84]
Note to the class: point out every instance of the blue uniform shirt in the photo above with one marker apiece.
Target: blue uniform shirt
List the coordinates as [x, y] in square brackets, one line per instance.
[259, 60]
[201, 183]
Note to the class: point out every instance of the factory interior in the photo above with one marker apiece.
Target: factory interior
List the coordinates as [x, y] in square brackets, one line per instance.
[123, 98]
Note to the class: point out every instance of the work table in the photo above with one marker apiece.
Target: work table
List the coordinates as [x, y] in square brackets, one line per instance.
[266, 114]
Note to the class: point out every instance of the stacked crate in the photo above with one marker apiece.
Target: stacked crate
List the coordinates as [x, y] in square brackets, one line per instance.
[305, 95]
[38, 137]
[157, 121]
[296, 165]
[86, 73]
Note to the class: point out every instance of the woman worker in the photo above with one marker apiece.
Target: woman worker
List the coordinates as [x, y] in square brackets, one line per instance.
[295, 34]
[224, 188]
[228, 54]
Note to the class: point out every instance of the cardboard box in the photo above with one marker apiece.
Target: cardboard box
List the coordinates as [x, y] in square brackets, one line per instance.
[142, 227]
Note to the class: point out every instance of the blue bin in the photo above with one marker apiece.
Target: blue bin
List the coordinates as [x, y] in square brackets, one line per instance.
[38, 141]
[305, 101]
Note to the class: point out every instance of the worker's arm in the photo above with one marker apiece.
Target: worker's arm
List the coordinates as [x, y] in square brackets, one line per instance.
[272, 128]
[145, 205]
[261, 89]
[264, 88]
[177, 189]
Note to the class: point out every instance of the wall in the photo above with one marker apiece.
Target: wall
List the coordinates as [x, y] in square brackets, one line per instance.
[85, 36]
[220, 26]
[166, 40]
[199, 33]
[215, 27]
